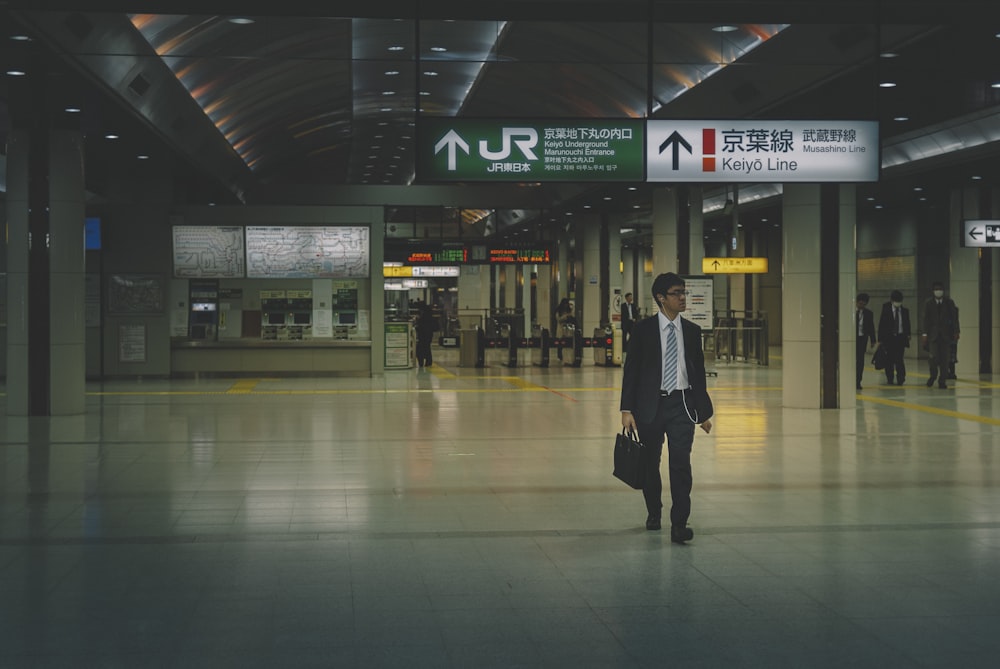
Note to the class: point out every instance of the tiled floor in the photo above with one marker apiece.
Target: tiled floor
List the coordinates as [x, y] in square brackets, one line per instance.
[467, 518]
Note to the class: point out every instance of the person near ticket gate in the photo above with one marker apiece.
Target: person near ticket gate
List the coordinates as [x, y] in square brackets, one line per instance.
[630, 314]
[564, 319]
[894, 336]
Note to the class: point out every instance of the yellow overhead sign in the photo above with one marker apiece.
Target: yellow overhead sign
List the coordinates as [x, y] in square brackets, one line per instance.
[734, 266]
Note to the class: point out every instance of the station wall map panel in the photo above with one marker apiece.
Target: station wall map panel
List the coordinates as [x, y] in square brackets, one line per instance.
[294, 252]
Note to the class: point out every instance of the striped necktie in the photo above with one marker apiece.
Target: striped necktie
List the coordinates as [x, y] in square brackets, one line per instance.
[670, 360]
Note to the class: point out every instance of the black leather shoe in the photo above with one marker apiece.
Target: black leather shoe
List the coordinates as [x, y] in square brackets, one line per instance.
[679, 535]
[652, 522]
[930, 382]
[943, 385]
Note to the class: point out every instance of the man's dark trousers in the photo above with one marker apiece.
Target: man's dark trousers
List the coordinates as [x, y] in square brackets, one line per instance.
[671, 420]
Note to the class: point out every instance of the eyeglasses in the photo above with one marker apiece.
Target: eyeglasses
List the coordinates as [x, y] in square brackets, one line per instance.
[679, 293]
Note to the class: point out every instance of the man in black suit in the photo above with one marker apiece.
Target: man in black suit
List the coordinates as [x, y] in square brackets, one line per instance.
[941, 331]
[664, 392]
[864, 327]
[629, 316]
[894, 336]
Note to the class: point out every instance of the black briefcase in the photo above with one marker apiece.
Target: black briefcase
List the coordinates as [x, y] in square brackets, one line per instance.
[629, 461]
[880, 359]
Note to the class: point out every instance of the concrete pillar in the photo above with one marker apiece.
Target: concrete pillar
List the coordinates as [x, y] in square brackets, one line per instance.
[847, 290]
[803, 294]
[962, 282]
[616, 278]
[65, 359]
[696, 235]
[588, 303]
[664, 224]
[376, 324]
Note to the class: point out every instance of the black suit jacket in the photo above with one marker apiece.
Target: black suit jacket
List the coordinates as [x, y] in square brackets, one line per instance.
[867, 324]
[628, 319]
[644, 368]
[887, 323]
[941, 323]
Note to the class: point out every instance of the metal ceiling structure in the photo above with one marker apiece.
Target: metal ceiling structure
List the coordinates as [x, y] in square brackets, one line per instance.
[242, 100]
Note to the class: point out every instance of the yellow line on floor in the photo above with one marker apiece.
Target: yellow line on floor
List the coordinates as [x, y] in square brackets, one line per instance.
[442, 373]
[934, 410]
[243, 386]
[522, 384]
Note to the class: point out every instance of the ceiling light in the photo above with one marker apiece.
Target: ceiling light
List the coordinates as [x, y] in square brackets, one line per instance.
[918, 188]
[889, 54]
[887, 84]
[430, 73]
[996, 85]
[385, 109]
[976, 177]
[20, 38]
[111, 135]
[72, 110]
[900, 118]
[395, 47]
[241, 20]
[142, 156]
[425, 92]
[388, 92]
[607, 198]
[16, 73]
[438, 49]
[724, 29]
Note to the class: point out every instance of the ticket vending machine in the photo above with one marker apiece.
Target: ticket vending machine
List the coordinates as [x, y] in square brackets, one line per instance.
[203, 319]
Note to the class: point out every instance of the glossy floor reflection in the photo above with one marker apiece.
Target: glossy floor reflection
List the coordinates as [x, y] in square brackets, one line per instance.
[467, 518]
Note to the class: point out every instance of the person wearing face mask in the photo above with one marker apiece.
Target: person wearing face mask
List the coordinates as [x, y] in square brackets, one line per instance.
[894, 336]
[941, 331]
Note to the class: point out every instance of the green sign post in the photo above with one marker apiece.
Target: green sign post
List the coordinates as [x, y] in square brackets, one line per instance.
[451, 149]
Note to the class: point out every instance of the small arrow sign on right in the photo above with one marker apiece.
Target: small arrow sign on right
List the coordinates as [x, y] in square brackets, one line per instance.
[974, 233]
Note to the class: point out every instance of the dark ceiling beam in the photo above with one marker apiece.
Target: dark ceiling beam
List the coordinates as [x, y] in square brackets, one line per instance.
[735, 11]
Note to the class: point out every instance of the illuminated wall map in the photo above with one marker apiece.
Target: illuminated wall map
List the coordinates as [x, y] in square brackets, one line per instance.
[292, 252]
[211, 252]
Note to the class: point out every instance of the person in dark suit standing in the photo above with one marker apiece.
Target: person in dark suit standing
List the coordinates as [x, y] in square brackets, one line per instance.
[894, 336]
[941, 330]
[629, 317]
[864, 327]
[664, 393]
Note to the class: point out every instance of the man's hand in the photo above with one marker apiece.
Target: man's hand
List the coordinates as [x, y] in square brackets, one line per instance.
[706, 426]
[628, 422]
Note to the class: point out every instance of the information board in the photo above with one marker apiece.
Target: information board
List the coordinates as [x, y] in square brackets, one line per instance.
[450, 149]
[208, 252]
[296, 252]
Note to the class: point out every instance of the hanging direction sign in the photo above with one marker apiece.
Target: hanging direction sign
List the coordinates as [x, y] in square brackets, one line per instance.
[981, 234]
[762, 151]
[450, 149]
[734, 265]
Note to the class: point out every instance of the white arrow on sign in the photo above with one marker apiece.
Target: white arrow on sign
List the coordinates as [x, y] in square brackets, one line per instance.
[453, 141]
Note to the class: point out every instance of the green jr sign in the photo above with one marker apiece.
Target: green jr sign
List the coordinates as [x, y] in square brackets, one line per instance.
[451, 149]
